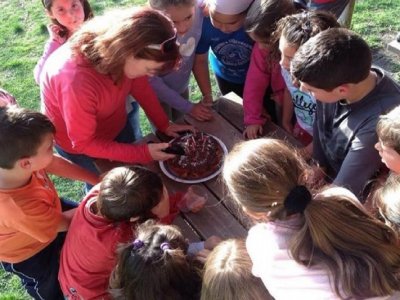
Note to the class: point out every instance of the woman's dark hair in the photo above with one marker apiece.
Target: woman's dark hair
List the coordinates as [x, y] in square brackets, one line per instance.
[107, 41]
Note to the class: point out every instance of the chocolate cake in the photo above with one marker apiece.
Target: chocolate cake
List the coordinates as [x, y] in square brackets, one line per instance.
[203, 156]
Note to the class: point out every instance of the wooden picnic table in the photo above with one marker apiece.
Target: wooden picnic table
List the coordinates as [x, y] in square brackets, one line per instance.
[220, 216]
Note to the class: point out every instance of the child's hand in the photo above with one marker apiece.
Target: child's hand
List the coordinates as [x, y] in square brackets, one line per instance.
[212, 242]
[253, 131]
[202, 255]
[54, 32]
[201, 112]
[174, 129]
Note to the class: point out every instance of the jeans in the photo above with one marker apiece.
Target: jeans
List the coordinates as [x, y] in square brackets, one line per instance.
[125, 136]
[134, 118]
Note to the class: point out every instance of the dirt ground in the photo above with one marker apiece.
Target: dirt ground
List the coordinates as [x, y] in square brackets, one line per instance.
[385, 59]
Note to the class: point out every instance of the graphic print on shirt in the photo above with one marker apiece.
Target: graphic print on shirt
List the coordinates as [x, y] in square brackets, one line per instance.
[304, 107]
[233, 52]
[187, 49]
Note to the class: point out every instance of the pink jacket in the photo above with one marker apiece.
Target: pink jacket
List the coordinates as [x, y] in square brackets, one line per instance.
[259, 77]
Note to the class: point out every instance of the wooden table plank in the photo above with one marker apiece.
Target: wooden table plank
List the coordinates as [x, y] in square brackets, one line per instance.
[230, 107]
[187, 231]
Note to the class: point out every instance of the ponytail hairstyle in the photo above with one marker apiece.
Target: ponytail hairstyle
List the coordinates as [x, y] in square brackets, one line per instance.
[6, 98]
[360, 254]
[47, 4]
[127, 192]
[227, 274]
[155, 266]
[107, 41]
[299, 28]
[387, 200]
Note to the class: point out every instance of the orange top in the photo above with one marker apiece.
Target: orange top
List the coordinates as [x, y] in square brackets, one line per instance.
[29, 218]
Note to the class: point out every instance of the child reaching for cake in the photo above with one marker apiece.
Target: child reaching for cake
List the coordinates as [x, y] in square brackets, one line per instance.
[126, 197]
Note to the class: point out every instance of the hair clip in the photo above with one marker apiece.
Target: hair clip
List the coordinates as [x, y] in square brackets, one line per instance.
[137, 244]
[165, 246]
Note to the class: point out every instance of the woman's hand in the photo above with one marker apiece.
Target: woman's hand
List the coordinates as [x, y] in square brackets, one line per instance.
[156, 152]
[201, 112]
[253, 131]
[174, 129]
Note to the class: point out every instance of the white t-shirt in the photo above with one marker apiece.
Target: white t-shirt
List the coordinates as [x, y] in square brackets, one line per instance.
[284, 278]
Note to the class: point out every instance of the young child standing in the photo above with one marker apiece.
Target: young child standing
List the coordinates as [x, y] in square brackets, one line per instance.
[32, 221]
[155, 266]
[125, 197]
[227, 274]
[264, 87]
[318, 244]
[350, 98]
[172, 89]
[293, 31]
[227, 45]
[66, 18]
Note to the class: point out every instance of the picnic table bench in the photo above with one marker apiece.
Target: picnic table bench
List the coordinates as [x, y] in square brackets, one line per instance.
[219, 216]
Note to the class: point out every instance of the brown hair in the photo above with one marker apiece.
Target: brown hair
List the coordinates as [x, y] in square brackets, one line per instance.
[335, 231]
[317, 65]
[155, 266]
[127, 192]
[107, 41]
[21, 134]
[262, 17]
[6, 98]
[387, 200]
[227, 274]
[47, 4]
[299, 28]
[388, 129]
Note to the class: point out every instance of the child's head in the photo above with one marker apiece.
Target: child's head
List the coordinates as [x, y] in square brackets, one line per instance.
[387, 200]
[326, 73]
[181, 12]
[388, 145]
[132, 193]
[294, 30]
[68, 14]
[155, 266]
[228, 275]
[262, 16]
[131, 42]
[6, 98]
[26, 138]
[333, 230]
[260, 173]
[227, 15]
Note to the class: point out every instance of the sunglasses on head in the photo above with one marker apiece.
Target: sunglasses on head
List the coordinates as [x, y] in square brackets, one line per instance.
[166, 46]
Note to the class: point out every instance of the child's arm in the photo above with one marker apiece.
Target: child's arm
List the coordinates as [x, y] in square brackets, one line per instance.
[66, 220]
[257, 81]
[287, 112]
[54, 42]
[202, 75]
[65, 168]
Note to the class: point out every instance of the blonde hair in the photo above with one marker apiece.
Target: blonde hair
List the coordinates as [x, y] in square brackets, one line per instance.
[387, 200]
[388, 129]
[227, 274]
[107, 41]
[359, 252]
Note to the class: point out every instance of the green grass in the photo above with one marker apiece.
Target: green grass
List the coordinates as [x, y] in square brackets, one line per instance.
[23, 34]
